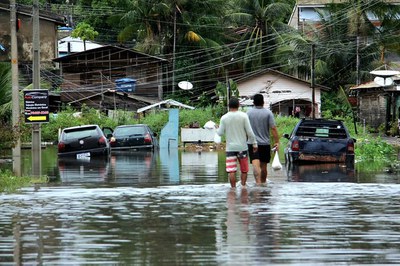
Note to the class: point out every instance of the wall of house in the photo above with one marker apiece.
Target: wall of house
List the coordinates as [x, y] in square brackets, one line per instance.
[372, 109]
[280, 91]
[48, 39]
[93, 72]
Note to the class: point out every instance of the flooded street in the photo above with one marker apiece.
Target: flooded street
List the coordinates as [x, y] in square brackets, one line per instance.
[177, 208]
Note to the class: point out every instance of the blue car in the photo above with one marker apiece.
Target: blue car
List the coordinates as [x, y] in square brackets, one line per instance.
[320, 140]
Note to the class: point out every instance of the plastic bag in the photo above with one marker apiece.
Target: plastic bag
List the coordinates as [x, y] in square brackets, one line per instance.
[217, 138]
[276, 164]
[209, 125]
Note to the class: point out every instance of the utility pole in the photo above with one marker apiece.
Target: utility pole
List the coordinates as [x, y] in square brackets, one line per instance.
[313, 79]
[173, 52]
[16, 151]
[36, 132]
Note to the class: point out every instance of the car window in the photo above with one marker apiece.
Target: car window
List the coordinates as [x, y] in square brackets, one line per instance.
[80, 133]
[126, 131]
[321, 130]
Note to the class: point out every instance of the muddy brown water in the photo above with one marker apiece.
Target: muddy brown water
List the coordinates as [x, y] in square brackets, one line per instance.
[176, 208]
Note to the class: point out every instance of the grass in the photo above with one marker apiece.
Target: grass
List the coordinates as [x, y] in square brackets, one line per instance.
[11, 183]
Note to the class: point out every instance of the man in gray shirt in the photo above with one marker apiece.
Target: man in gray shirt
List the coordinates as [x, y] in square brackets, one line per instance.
[262, 122]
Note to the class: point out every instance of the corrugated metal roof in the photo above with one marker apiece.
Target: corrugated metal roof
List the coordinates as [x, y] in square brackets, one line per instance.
[76, 45]
[165, 102]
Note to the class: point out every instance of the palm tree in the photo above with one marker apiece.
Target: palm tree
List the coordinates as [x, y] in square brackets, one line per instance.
[348, 44]
[262, 21]
[5, 91]
[143, 22]
[189, 33]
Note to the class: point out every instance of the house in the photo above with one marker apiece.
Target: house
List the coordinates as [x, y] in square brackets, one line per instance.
[48, 24]
[378, 104]
[91, 78]
[282, 92]
[305, 12]
[69, 45]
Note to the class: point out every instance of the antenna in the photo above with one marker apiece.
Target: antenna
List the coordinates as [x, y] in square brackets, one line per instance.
[385, 73]
[383, 81]
[185, 85]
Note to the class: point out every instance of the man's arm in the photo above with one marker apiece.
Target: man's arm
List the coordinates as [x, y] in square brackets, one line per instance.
[220, 128]
[275, 134]
[250, 133]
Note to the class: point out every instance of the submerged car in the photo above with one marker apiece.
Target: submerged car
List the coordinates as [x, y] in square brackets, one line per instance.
[83, 142]
[133, 137]
[320, 140]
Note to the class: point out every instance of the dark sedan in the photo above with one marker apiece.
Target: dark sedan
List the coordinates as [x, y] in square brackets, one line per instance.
[320, 140]
[83, 142]
[133, 137]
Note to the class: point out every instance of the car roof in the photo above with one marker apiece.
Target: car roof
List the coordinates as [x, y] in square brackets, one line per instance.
[321, 121]
[81, 126]
[135, 125]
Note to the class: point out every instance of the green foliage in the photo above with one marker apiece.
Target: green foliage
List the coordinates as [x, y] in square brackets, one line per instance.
[201, 115]
[69, 118]
[10, 183]
[367, 147]
[84, 31]
[156, 120]
[335, 104]
[285, 125]
[7, 136]
[5, 90]
[373, 149]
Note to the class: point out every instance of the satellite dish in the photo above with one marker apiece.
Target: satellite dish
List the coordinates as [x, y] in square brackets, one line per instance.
[385, 73]
[383, 81]
[185, 85]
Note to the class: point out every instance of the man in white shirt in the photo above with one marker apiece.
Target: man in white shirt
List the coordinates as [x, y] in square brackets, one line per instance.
[237, 129]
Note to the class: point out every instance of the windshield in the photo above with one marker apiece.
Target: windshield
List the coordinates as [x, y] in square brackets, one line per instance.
[80, 133]
[127, 131]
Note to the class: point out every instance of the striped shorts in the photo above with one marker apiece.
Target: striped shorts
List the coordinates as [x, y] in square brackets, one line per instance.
[231, 161]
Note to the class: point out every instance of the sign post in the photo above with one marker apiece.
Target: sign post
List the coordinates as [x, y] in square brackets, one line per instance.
[36, 106]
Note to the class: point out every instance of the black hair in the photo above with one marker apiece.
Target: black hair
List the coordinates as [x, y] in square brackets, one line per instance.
[234, 103]
[258, 100]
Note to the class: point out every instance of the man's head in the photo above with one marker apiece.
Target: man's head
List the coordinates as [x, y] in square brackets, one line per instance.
[258, 100]
[234, 103]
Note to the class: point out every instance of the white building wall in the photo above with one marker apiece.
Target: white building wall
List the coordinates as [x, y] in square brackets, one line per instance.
[278, 88]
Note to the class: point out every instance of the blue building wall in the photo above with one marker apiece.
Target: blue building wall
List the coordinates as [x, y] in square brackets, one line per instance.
[170, 132]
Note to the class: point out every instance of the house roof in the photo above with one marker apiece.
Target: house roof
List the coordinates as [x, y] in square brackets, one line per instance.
[372, 84]
[278, 73]
[43, 14]
[131, 96]
[106, 48]
[75, 45]
[165, 102]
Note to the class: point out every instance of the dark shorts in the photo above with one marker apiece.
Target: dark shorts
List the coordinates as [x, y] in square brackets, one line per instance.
[231, 161]
[263, 153]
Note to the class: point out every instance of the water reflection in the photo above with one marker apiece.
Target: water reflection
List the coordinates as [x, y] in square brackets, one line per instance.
[133, 168]
[142, 168]
[137, 209]
[199, 165]
[88, 170]
[329, 172]
[170, 162]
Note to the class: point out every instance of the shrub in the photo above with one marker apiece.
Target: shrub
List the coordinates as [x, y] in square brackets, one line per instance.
[10, 183]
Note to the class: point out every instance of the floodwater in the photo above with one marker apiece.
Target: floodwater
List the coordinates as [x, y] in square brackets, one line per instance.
[177, 208]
